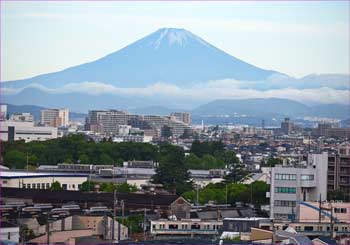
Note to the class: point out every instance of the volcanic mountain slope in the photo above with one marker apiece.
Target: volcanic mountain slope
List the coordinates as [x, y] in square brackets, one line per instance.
[169, 55]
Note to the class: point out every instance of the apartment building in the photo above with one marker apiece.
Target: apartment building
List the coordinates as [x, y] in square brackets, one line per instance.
[55, 117]
[290, 185]
[339, 170]
[184, 117]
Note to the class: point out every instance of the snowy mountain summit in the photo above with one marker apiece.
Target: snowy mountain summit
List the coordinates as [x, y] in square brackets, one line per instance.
[172, 37]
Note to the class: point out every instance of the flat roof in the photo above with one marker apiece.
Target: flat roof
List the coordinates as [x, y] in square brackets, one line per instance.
[247, 219]
[24, 174]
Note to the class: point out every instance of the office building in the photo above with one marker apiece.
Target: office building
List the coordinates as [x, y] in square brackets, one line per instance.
[17, 130]
[55, 117]
[291, 184]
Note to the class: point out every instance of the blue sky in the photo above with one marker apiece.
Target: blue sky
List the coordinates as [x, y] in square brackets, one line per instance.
[296, 38]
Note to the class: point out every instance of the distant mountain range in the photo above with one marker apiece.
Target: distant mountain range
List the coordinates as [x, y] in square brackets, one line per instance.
[172, 68]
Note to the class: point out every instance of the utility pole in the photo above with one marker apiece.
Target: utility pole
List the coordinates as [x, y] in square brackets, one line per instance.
[226, 196]
[332, 225]
[319, 212]
[27, 163]
[114, 207]
[144, 225]
[48, 228]
[123, 206]
[197, 196]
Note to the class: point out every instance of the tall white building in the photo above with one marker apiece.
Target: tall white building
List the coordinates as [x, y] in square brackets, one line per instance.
[55, 117]
[290, 185]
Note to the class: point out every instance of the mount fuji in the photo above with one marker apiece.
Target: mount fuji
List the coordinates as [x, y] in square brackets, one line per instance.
[169, 55]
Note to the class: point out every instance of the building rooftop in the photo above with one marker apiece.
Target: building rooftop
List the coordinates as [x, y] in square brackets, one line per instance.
[23, 174]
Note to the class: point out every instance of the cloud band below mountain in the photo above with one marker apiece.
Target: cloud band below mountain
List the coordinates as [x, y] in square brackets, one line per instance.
[204, 92]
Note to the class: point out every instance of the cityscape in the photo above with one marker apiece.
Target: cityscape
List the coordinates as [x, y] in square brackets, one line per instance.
[170, 138]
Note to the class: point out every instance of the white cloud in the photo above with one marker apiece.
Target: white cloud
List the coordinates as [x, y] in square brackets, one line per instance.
[222, 89]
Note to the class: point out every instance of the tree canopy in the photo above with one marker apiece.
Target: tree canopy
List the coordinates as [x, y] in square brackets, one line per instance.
[172, 172]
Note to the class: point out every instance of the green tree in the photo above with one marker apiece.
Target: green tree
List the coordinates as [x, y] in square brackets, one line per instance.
[271, 162]
[238, 172]
[192, 161]
[259, 189]
[15, 159]
[87, 186]
[172, 171]
[84, 159]
[56, 186]
[105, 159]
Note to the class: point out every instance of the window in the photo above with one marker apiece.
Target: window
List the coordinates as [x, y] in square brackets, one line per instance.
[340, 210]
[64, 186]
[283, 203]
[285, 177]
[308, 228]
[173, 226]
[33, 186]
[38, 185]
[8, 236]
[47, 185]
[307, 177]
[73, 186]
[28, 186]
[42, 185]
[288, 190]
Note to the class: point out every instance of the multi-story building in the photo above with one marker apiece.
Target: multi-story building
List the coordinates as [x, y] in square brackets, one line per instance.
[55, 117]
[3, 112]
[13, 130]
[289, 185]
[22, 117]
[339, 170]
[287, 126]
[184, 117]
